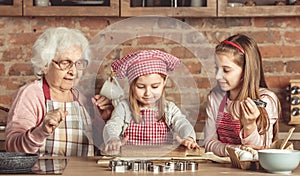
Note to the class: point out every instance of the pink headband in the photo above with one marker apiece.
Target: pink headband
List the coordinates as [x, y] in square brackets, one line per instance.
[233, 44]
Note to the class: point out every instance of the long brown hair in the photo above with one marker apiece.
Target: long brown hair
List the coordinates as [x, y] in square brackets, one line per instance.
[135, 105]
[253, 77]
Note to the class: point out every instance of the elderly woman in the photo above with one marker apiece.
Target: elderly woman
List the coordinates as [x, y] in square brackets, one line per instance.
[47, 115]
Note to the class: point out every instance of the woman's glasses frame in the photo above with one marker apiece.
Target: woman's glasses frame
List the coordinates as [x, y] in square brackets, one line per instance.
[67, 64]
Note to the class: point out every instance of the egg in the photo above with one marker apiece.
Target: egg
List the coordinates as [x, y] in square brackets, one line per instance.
[238, 151]
[255, 155]
[245, 156]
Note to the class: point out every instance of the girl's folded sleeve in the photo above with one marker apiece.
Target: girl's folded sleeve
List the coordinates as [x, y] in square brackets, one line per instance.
[113, 127]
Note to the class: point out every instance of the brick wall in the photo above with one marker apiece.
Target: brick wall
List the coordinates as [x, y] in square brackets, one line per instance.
[278, 39]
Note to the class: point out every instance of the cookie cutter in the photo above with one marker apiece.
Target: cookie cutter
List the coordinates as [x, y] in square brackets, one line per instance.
[172, 165]
[164, 168]
[145, 165]
[154, 169]
[119, 169]
[192, 166]
[260, 103]
[181, 166]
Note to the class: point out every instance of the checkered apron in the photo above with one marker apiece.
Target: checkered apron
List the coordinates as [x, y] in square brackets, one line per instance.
[149, 132]
[50, 166]
[228, 129]
[73, 136]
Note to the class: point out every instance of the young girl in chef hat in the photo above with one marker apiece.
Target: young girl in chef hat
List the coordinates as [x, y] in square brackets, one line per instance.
[233, 117]
[146, 118]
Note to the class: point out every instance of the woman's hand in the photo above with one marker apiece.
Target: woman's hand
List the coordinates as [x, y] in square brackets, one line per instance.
[104, 105]
[52, 120]
[189, 142]
[250, 114]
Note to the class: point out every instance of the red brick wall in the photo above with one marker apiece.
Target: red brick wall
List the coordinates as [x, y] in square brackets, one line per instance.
[278, 39]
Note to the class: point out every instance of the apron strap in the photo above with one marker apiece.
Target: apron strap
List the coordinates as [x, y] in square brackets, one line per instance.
[223, 103]
[46, 89]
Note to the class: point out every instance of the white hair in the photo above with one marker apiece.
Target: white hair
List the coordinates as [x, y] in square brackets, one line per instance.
[53, 42]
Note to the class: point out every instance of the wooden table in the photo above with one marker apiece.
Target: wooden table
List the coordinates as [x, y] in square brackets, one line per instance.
[89, 167]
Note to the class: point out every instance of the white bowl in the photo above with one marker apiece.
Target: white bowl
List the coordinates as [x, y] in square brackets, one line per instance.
[279, 161]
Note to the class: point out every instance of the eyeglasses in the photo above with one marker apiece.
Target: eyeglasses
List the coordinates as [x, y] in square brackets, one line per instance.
[67, 64]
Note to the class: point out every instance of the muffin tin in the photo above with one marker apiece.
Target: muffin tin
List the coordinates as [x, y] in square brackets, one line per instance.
[145, 165]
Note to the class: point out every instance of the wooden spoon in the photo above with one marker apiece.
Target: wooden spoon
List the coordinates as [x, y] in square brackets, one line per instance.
[287, 138]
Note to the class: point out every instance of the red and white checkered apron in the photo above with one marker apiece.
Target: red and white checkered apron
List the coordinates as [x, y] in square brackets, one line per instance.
[228, 129]
[73, 136]
[149, 132]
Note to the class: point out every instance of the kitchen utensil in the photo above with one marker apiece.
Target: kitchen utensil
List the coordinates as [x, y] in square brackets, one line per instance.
[88, 2]
[235, 4]
[111, 89]
[260, 103]
[197, 3]
[287, 138]
[279, 161]
[17, 162]
[41, 2]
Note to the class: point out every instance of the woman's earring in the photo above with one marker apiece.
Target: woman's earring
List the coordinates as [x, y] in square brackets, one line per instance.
[45, 69]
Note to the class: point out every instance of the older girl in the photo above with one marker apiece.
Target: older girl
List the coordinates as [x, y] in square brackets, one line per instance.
[233, 117]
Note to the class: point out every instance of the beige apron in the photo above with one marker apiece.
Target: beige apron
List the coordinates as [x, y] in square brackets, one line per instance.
[73, 137]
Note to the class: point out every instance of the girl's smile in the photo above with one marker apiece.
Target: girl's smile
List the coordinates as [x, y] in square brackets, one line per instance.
[228, 74]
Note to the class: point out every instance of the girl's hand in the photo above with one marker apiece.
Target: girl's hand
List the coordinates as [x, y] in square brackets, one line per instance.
[250, 112]
[52, 120]
[104, 105]
[189, 142]
[114, 145]
[254, 147]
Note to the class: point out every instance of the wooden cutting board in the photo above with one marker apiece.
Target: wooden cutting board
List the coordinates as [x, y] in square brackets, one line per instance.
[159, 151]
[153, 154]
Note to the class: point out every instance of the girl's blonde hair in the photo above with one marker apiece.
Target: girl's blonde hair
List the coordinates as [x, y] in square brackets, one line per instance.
[135, 105]
[252, 78]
